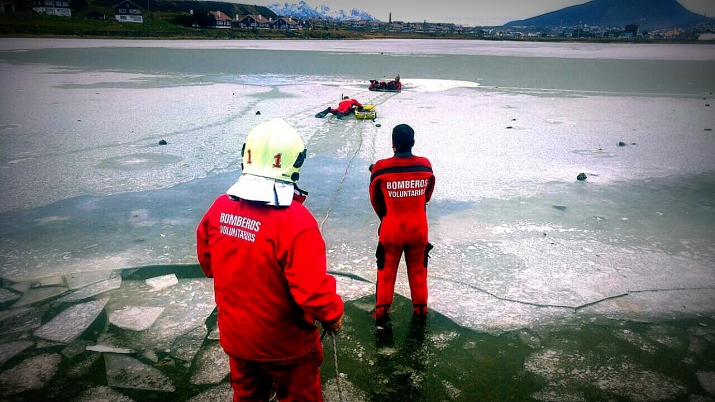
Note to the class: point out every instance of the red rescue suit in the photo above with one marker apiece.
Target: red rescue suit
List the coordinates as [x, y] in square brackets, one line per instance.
[400, 188]
[345, 106]
[270, 280]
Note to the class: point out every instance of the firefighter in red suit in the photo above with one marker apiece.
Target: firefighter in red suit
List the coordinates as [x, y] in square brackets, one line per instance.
[345, 106]
[265, 252]
[400, 188]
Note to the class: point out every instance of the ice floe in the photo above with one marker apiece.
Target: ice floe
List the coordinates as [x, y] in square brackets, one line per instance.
[71, 322]
[30, 374]
[137, 318]
[128, 372]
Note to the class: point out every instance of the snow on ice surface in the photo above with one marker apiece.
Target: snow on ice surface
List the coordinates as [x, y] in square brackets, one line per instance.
[392, 46]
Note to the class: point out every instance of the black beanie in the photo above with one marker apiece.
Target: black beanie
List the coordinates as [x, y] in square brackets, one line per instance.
[403, 138]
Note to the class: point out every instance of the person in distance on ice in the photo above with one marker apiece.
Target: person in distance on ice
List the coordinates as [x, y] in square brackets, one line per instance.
[400, 188]
[344, 108]
[267, 256]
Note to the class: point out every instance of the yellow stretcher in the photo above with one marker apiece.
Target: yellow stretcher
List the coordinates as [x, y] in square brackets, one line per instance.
[367, 112]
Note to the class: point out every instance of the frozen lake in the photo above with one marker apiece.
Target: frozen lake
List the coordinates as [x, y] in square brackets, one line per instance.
[522, 248]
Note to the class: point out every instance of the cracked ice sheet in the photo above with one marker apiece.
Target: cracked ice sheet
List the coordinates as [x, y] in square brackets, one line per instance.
[212, 366]
[565, 369]
[552, 139]
[186, 307]
[575, 273]
[221, 392]
[652, 306]
[102, 393]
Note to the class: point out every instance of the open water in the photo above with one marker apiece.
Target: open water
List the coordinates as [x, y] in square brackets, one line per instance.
[542, 287]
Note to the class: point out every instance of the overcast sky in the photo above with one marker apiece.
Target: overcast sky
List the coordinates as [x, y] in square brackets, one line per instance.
[467, 12]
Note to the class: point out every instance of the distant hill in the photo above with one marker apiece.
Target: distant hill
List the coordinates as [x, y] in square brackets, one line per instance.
[648, 14]
[303, 10]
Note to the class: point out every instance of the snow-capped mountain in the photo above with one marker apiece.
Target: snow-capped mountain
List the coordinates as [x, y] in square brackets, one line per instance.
[303, 10]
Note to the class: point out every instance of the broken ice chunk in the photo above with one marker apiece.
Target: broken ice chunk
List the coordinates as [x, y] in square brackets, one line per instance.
[102, 393]
[6, 295]
[70, 323]
[186, 346]
[82, 279]
[162, 282]
[39, 294]
[31, 374]
[20, 319]
[108, 349]
[136, 318]
[128, 372]
[213, 366]
[93, 290]
[11, 349]
[221, 392]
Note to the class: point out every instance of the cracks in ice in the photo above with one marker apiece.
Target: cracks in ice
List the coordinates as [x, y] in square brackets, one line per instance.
[572, 308]
[349, 165]
[342, 181]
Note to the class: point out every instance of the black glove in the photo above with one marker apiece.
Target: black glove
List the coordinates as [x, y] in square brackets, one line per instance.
[360, 108]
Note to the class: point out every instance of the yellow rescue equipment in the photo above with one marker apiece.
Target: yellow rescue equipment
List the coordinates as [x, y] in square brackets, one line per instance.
[365, 112]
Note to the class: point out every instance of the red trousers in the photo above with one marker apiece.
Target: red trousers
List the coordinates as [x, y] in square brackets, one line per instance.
[416, 261]
[296, 380]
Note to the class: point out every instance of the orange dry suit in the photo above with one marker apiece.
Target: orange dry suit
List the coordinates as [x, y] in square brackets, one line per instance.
[400, 188]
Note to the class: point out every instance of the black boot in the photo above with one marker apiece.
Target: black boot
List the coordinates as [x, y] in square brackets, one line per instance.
[323, 113]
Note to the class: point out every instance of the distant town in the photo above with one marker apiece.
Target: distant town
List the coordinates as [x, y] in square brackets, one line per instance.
[631, 31]
[232, 22]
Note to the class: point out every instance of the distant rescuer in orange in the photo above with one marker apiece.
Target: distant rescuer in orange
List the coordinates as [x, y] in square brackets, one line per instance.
[400, 188]
[267, 256]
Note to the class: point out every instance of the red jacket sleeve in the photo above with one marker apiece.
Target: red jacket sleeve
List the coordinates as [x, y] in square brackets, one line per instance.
[310, 285]
[202, 246]
[376, 198]
[356, 103]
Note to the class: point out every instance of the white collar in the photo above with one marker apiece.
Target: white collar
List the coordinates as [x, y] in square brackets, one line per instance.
[262, 189]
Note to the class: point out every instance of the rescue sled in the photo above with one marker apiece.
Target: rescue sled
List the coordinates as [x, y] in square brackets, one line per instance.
[366, 112]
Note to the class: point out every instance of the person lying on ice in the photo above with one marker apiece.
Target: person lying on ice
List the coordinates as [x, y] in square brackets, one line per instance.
[400, 188]
[265, 252]
[345, 106]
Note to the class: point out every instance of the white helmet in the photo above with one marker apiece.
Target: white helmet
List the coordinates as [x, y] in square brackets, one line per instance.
[275, 150]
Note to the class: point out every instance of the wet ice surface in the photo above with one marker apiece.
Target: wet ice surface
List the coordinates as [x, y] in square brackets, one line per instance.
[542, 287]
